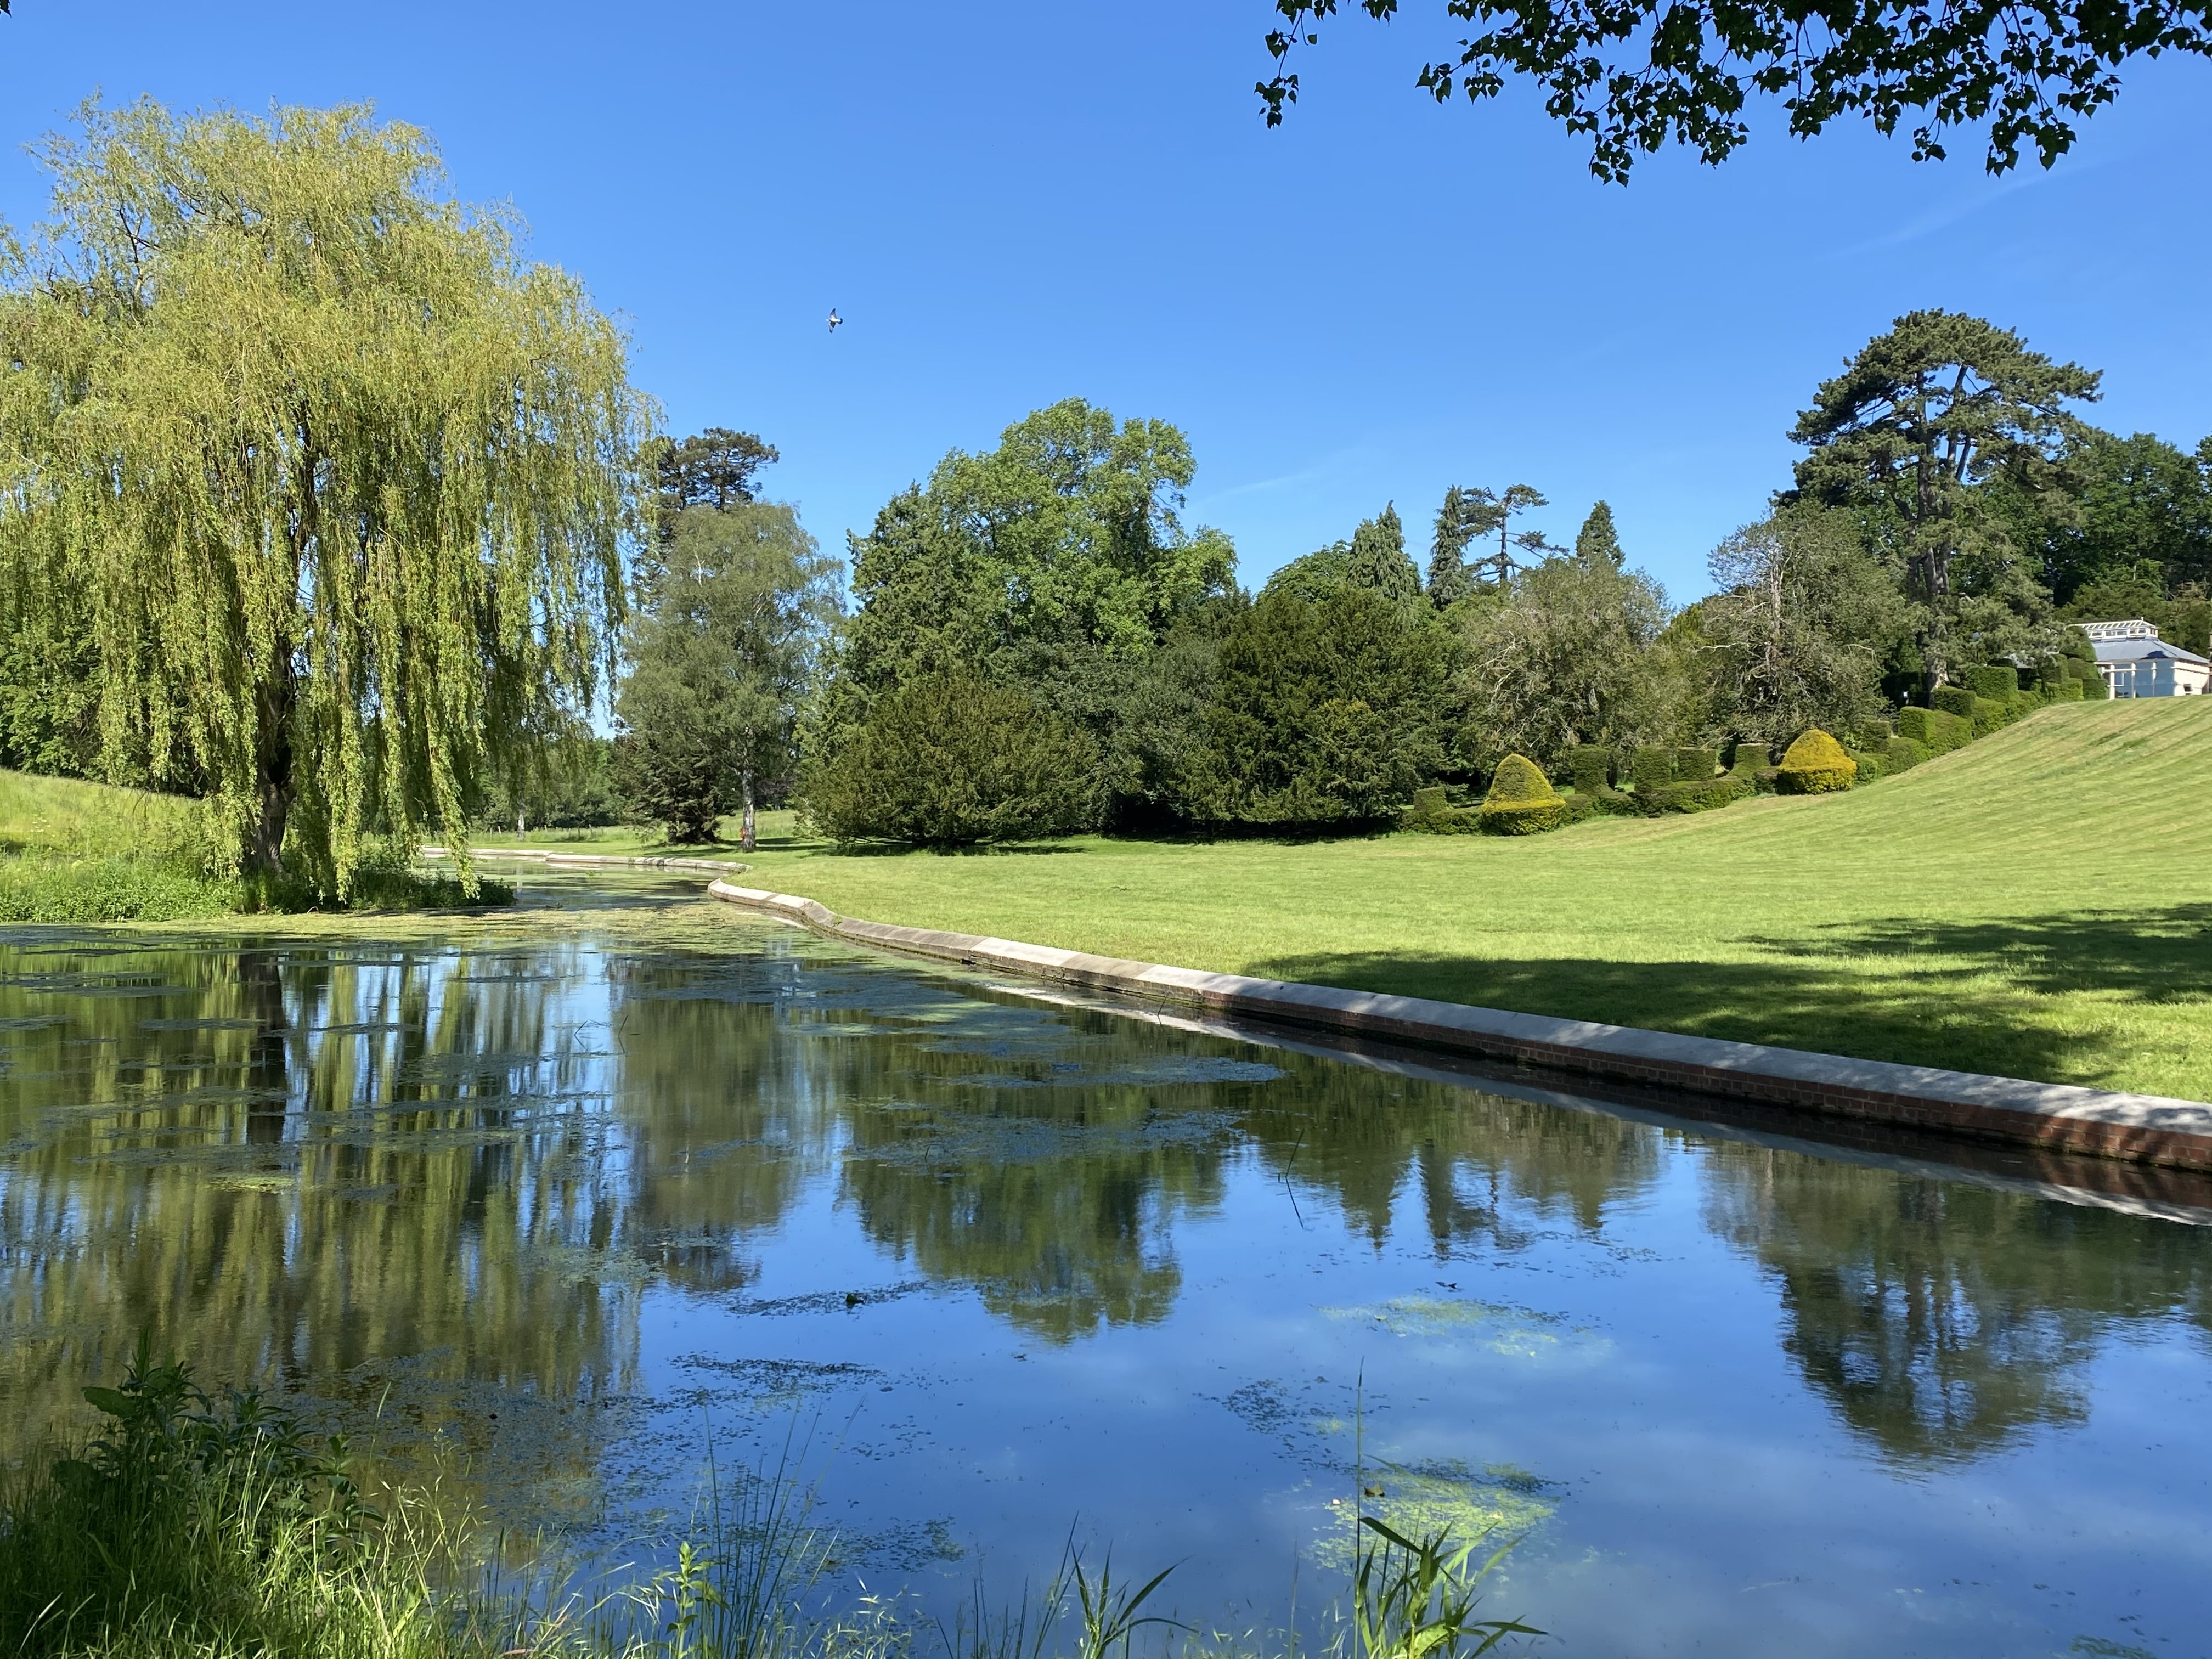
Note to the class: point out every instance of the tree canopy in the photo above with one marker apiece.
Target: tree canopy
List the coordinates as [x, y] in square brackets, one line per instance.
[1633, 75]
[723, 656]
[1908, 436]
[340, 480]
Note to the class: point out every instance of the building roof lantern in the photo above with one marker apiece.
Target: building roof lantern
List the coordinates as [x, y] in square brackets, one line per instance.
[2136, 630]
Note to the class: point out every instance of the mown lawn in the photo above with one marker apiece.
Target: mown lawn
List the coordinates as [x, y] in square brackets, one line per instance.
[2038, 904]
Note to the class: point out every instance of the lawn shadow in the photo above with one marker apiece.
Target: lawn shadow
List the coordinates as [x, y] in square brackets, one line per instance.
[1960, 998]
[2157, 954]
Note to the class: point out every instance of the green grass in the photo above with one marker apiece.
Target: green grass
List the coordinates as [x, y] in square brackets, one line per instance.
[89, 853]
[2036, 904]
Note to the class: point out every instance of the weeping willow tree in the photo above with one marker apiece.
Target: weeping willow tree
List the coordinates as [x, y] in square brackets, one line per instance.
[338, 483]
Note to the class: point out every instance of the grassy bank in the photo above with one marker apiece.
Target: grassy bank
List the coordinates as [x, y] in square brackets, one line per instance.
[89, 852]
[2036, 904]
[200, 1524]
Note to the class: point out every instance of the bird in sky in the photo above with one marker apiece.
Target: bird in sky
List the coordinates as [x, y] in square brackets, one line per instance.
[834, 319]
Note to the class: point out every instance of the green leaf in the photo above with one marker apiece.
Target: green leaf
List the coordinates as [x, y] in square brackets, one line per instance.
[113, 1401]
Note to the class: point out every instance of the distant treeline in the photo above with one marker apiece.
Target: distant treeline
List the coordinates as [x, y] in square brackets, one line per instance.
[1036, 643]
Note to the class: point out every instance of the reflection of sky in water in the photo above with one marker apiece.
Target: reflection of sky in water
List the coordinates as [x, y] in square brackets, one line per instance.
[540, 1213]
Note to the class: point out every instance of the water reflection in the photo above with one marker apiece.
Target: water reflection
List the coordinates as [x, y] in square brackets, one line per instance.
[506, 1194]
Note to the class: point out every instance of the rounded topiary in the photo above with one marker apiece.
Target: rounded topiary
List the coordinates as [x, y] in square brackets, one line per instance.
[1522, 801]
[1815, 765]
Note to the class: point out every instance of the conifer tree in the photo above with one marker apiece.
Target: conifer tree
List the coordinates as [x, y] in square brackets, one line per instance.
[1596, 543]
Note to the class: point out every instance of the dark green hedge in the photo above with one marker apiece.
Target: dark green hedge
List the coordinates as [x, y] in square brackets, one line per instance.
[1652, 768]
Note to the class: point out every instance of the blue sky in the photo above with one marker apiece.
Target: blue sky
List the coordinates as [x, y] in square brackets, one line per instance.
[1014, 201]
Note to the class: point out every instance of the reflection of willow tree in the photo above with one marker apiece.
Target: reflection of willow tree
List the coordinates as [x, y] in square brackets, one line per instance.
[1941, 1319]
[1358, 1135]
[282, 1168]
[722, 1108]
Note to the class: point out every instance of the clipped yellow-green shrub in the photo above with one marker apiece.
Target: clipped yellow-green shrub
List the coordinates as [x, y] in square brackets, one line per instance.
[1816, 765]
[1522, 801]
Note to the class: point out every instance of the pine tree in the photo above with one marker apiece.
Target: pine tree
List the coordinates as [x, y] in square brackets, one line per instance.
[1596, 542]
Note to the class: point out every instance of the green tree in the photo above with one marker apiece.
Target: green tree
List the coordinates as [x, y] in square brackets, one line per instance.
[1057, 561]
[1325, 712]
[1798, 632]
[953, 761]
[344, 478]
[1597, 541]
[1635, 74]
[2125, 502]
[1374, 560]
[1911, 434]
[715, 468]
[1567, 658]
[723, 657]
[1460, 520]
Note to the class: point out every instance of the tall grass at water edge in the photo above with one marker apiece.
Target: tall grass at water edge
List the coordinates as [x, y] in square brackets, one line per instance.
[199, 1525]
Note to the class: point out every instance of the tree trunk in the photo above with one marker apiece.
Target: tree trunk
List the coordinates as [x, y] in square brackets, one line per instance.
[745, 822]
[272, 769]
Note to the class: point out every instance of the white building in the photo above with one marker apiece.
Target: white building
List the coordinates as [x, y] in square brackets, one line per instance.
[2136, 663]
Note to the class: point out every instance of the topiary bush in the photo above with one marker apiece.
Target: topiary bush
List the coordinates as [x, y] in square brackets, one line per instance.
[1750, 757]
[1816, 765]
[1432, 813]
[1954, 699]
[1522, 801]
[1997, 681]
[1696, 765]
[1902, 754]
[1989, 716]
[1704, 796]
[1652, 768]
[1589, 767]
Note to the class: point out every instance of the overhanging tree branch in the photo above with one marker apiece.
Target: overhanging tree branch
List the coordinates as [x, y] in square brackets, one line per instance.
[1636, 74]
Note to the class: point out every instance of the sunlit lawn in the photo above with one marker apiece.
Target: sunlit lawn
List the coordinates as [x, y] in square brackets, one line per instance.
[2038, 904]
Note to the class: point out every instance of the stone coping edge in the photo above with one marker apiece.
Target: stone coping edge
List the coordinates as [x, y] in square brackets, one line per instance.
[720, 867]
[2100, 1123]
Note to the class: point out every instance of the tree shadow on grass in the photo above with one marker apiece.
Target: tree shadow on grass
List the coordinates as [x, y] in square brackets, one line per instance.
[1960, 995]
[2145, 955]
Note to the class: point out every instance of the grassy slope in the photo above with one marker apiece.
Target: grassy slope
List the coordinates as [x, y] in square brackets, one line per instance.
[68, 818]
[2038, 904]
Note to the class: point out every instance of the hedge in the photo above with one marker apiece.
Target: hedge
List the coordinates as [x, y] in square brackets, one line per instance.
[1954, 699]
[1696, 765]
[1652, 768]
[1522, 801]
[1432, 813]
[1903, 754]
[1816, 765]
[1997, 681]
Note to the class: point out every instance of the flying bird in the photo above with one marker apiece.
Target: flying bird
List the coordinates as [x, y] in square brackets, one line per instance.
[834, 319]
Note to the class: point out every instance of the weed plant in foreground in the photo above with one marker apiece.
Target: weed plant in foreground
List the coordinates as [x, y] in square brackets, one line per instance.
[205, 1525]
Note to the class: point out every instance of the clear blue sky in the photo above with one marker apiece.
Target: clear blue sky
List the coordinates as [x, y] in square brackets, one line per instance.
[1013, 201]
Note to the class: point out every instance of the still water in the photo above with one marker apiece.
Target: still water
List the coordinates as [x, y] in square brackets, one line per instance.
[550, 1207]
